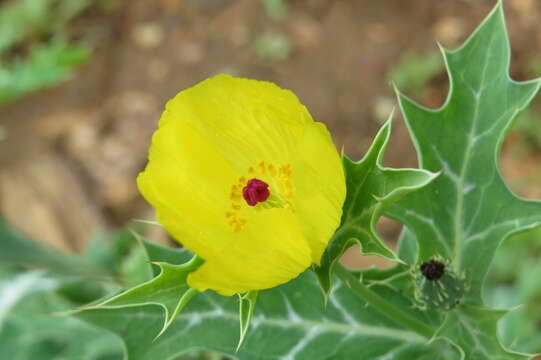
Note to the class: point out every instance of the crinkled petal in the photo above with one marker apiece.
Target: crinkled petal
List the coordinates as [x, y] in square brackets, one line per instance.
[187, 181]
[246, 120]
[270, 251]
[320, 187]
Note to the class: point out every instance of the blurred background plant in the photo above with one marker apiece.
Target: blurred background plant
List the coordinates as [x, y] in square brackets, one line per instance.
[272, 47]
[276, 9]
[82, 83]
[36, 46]
[413, 72]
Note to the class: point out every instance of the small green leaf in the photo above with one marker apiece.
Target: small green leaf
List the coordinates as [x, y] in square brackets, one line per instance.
[246, 312]
[157, 253]
[168, 290]
[370, 189]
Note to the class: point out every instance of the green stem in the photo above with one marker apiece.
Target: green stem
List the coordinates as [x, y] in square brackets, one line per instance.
[381, 304]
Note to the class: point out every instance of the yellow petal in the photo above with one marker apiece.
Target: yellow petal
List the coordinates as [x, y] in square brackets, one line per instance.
[187, 181]
[320, 187]
[246, 120]
[271, 250]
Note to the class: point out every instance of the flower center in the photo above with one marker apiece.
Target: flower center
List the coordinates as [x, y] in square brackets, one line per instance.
[255, 191]
[433, 270]
[276, 191]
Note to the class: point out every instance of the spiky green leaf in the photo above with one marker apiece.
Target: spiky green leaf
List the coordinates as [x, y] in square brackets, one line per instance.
[168, 290]
[468, 211]
[370, 189]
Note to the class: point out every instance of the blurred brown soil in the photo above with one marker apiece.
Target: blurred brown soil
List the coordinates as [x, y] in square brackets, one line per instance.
[72, 153]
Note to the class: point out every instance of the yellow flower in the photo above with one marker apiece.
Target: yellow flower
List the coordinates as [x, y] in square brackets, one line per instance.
[241, 175]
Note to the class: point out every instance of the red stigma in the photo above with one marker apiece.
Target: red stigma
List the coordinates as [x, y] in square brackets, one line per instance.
[255, 191]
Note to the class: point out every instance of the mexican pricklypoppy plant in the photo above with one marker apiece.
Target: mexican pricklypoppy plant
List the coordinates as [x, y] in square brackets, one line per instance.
[240, 174]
